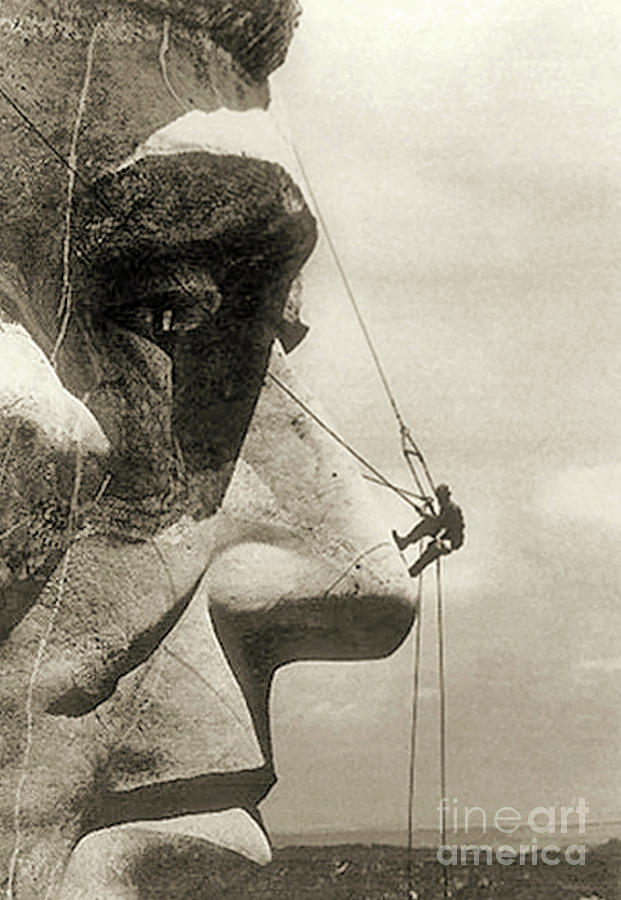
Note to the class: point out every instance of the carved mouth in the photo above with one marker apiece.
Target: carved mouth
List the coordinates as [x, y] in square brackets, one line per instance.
[205, 793]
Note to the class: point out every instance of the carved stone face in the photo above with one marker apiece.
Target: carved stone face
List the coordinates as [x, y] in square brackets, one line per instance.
[172, 526]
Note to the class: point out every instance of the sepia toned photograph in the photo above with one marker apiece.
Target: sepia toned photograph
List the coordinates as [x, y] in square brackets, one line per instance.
[310, 442]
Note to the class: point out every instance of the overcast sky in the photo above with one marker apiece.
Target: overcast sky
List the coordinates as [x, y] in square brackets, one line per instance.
[466, 156]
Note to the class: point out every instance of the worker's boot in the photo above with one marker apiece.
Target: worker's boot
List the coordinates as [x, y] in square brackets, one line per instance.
[401, 542]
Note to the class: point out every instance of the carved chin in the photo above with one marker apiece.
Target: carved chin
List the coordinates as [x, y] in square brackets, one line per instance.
[205, 851]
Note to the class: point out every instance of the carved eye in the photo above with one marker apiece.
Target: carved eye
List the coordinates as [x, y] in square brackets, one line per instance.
[189, 316]
[158, 302]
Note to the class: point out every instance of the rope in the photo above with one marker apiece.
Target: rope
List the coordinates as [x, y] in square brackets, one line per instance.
[343, 443]
[348, 288]
[442, 689]
[410, 449]
[403, 490]
[411, 452]
[31, 125]
[408, 445]
[413, 736]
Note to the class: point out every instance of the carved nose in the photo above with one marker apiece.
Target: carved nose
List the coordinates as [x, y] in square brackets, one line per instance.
[372, 603]
[333, 598]
[306, 561]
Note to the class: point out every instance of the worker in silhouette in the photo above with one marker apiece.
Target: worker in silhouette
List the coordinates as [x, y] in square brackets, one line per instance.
[446, 527]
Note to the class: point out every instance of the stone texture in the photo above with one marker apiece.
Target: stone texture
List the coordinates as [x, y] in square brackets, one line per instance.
[256, 34]
[45, 51]
[207, 856]
[172, 528]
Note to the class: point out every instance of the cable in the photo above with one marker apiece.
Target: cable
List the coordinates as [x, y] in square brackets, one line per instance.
[413, 494]
[41, 136]
[343, 443]
[413, 736]
[442, 688]
[405, 433]
[348, 287]
[409, 449]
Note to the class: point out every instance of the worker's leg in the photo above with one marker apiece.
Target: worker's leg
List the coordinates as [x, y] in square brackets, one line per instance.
[427, 527]
[431, 553]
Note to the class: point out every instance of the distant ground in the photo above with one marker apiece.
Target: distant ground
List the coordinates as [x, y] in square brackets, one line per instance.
[357, 872]
[593, 834]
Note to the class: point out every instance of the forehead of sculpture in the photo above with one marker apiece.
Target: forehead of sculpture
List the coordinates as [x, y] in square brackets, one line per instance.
[113, 72]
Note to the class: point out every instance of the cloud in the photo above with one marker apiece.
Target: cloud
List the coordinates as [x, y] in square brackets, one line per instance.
[607, 666]
[584, 494]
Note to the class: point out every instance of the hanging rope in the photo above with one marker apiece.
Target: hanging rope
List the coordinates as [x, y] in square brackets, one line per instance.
[411, 452]
[409, 448]
[413, 456]
[442, 692]
[347, 285]
[413, 737]
[404, 495]
[403, 490]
